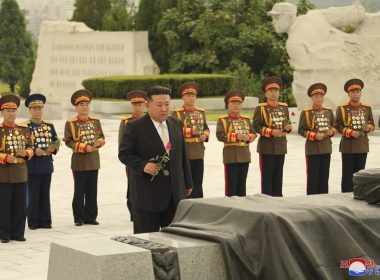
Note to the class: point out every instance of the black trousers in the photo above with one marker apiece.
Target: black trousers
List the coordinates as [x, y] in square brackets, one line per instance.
[271, 167]
[351, 163]
[85, 205]
[129, 202]
[145, 221]
[39, 213]
[12, 210]
[197, 167]
[318, 171]
[235, 175]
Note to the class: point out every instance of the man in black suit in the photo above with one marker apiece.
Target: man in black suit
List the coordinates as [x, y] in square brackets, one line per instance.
[155, 190]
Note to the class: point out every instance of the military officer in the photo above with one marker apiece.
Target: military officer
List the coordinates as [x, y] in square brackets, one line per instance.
[317, 124]
[354, 121]
[15, 149]
[84, 135]
[45, 143]
[271, 121]
[237, 133]
[195, 131]
[138, 103]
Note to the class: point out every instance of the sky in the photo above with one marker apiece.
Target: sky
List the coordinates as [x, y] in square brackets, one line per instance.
[370, 5]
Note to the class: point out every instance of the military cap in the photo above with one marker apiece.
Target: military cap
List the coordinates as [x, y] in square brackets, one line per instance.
[81, 95]
[317, 88]
[9, 101]
[271, 82]
[35, 100]
[353, 84]
[234, 95]
[137, 96]
[188, 87]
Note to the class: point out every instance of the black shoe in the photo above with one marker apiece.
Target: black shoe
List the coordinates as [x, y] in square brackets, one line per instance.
[79, 224]
[95, 223]
[19, 239]
[32, 228]
[45, 226]
[4, 240]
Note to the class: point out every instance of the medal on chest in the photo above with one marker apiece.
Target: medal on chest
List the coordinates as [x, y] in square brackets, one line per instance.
[13, 140]
[42, 136]
[322, 121]
[277, 118]
[87, 132]
[358, 119]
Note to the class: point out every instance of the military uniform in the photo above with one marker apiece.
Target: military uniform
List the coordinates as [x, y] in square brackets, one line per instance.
[13, 176]
[236, 153]
[136, 96]
[312, 121]
[80, 133]
[353, 117]
[40, 168]
[271, 149]
[194, 126]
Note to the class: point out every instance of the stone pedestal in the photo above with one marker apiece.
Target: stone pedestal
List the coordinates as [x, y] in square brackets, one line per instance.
[108, 259]
[198, 259]
[98, 260]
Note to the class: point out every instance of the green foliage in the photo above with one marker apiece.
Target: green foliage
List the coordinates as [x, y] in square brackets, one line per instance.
[91, 12]
[245, 80]
[304, 6]
[226, 37]
[250, 84]
[119, 17]
[118, 87]
[215, 36]
[148, 17]
[15, 43]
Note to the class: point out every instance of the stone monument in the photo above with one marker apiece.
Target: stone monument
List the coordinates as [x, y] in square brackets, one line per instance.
[320, 52]
[69, 52]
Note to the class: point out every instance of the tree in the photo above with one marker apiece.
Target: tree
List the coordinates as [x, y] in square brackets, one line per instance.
[148, 17]
[91, 12]
[304, 6]
[226, 36]
[15, 43]
[27, 73]
[120, 17]
[218, 35]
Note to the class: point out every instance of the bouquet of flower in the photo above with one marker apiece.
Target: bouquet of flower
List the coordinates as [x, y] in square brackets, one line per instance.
[285, 123]
[364, 129]
[53, 144]
[161, 161]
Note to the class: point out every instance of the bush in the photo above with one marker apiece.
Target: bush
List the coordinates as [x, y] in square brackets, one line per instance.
[119, 86]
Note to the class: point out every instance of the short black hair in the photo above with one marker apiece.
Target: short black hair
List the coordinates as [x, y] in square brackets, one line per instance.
[158, 90]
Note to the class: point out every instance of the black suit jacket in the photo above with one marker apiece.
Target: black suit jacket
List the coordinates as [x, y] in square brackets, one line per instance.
[142, 142]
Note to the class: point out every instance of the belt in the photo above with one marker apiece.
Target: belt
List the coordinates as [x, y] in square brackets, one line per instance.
[18, 161]
[93, 150]
[237, 144]
[193, 140]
